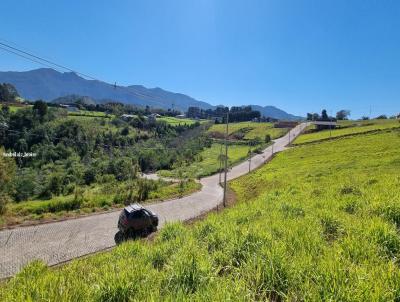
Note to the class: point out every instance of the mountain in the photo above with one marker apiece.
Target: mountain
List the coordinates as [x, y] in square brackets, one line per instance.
[48, 84]
[272, 111]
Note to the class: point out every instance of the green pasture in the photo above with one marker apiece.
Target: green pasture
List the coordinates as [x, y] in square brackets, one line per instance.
[346, 128]
[318, 223]
[250, 130]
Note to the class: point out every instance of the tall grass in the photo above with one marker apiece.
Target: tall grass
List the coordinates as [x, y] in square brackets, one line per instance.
[251, 130]
[207, 161]
[319, 223]
[346, 128]
[94, 198]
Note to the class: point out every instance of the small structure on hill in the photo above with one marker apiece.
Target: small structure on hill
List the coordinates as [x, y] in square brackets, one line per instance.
[153, 117]
[127, 116]
[321, 125]
[69, 107]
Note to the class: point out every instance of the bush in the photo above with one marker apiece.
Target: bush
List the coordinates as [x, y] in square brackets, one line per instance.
[331, 228]
[89, 176]
[145, 186]
[3, 203]
[25, 185]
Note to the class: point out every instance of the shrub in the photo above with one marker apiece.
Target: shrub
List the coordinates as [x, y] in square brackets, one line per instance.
[387, 239]
[350, 206]
[291, 211]
[345, 190]
[3, 203]
[145, 186]
[25, 185]
[331, 228]
[89, 176]
[390, 212]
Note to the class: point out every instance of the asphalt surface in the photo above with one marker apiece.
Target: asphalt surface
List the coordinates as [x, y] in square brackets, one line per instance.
[58, 242]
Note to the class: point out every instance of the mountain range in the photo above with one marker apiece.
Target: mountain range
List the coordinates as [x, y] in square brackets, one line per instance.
[48, 84]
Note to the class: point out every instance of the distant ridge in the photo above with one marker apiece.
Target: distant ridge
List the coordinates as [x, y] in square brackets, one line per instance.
[48, 84]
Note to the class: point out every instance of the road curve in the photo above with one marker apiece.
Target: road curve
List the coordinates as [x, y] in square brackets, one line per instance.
[62, 241]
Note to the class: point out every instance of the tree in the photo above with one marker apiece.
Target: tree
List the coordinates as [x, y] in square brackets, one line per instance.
[7, 171]
[342, 114]
[315, 117]
[8, 93]
[125, 131]
[324, 115]
[40, 108]
[309, 116]
[11, 90]
[381, 117]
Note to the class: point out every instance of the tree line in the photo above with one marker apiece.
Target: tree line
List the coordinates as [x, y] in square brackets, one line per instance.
[77, 152]
[236, 114]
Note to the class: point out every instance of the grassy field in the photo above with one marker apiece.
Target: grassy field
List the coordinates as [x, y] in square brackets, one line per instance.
[250, 130]
[319, 223]
[90, 114]
[96, 198]
[176, 121]
[208, 163]
[347, 128]
[93, 123]
[14, 108]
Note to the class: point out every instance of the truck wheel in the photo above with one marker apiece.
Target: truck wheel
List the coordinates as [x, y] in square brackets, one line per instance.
[119, 237]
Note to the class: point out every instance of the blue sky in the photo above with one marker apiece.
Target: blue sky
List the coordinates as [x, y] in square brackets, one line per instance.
[298, 55]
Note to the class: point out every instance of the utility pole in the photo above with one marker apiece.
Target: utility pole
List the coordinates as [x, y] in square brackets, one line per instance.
[226, 156]
[249, 159]
[220, 163]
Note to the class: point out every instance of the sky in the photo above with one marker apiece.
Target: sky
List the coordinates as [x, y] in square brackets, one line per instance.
[299, 55]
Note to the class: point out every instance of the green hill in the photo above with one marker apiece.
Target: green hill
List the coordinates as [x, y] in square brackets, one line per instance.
[319, 223]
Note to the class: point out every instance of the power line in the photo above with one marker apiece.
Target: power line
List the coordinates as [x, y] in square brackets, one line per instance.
[47, 61]
[25, 57]
[50, 63]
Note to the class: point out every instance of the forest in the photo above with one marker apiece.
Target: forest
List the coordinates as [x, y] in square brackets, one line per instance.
[49, 152]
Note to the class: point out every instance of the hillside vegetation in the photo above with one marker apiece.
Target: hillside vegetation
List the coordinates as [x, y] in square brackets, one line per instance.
[176, 121]
[243, 138]
[248, 130]
[65, 163]
[207, 161]
[347, 128]
[317, 223]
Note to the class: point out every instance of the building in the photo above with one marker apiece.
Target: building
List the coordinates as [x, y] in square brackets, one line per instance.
[70, 108]
[321, 125]
[73, 109]
[127, 116]
[153, 117]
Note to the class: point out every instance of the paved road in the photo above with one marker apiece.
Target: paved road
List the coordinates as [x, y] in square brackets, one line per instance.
[62, 241]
